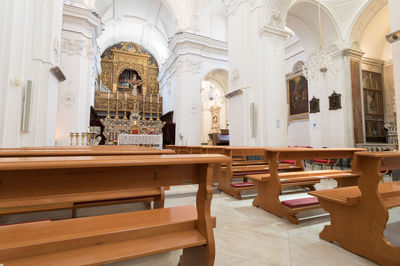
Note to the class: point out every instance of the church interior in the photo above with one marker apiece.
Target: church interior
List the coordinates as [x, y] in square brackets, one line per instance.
[199, 132]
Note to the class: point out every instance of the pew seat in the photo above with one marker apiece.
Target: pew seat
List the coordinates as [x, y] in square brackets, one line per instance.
[114, 237]
[349, 196]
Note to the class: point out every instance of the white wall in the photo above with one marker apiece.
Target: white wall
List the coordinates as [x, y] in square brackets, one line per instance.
[30, 46]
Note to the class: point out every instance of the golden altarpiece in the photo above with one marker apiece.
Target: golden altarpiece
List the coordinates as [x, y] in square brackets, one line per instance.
[127, 99]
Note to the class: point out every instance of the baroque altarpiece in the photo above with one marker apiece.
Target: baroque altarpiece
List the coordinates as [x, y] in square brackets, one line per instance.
[127, 98]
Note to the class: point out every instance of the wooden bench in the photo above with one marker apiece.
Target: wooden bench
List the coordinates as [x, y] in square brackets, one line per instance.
[242, 167]
[269, 186]
[74, 196]
[359, 214]
[115, 237]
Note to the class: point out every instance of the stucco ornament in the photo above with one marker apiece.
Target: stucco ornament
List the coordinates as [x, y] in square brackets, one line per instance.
[72, 46]
[68, 99]
[56, 50]
[194, 109]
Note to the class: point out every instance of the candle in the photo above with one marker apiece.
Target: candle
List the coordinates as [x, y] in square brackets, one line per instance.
[126, 96]
[151, 97]
[143, 98]
[158, 98]
[117, 95]
[108, 96]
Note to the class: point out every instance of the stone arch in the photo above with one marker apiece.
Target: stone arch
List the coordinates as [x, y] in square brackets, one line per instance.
[360, 22]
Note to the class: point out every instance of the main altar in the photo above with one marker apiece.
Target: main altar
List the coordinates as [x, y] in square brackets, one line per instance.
[127, 100]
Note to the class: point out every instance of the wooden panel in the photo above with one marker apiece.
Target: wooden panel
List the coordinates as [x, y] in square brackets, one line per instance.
[357, 103]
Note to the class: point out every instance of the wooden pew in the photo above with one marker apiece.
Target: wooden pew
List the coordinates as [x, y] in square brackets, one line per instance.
[76, 197]
[115, 237]
[241, 168]
[359, 214]
[269, 186]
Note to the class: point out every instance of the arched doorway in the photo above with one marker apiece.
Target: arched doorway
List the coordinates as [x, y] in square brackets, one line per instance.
[214, 106]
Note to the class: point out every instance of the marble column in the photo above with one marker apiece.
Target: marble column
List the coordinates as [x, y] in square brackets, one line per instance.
[394, 6]
[30, 34]
[79, 61]
[352, 60]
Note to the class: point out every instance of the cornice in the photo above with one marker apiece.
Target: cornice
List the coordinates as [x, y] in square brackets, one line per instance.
[196, 41]
[273, 31]
[353, 53]
[373, 62]
[83, 16]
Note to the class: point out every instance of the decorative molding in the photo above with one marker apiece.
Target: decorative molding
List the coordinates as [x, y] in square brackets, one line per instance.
[193, 109]
[189, 45]
[71, 46]
[273, 31]
[353, 53]
[188, 65]
[235, 76]
[255, 4]
[68, 99]
[233, 5]
[373, 62]
[56, 50]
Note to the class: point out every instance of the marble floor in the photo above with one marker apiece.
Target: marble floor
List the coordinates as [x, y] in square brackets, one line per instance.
[245, 235]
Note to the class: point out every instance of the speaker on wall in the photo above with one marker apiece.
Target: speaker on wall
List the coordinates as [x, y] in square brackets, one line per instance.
[26, 112]
[253, 120]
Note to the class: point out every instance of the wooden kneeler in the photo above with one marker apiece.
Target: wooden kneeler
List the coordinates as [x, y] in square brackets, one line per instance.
[114, 237]
[359, 214]
[269, 187]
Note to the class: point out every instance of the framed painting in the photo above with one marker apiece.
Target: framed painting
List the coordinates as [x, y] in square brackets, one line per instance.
[297, 87]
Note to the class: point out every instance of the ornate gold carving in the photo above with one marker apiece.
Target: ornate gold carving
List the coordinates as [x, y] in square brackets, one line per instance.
[128, 56]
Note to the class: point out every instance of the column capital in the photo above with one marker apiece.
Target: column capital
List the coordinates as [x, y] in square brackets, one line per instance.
[272, 31]
[353, 53]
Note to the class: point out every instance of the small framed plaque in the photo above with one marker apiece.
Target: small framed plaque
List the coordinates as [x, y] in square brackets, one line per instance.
[314, 105]
[335, 101]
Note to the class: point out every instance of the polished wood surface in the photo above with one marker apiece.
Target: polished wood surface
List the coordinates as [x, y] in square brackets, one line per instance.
[115, 237]
[269, 189]
[359, 214]
[80, 150]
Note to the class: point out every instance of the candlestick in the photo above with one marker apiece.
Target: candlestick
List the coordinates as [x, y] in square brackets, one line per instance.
[108, 107]
[126, 97]
[71, 135]
[88, 138]
[116, 111]
[83, 138]
[151, 109]
[76, 139]
[143, 108]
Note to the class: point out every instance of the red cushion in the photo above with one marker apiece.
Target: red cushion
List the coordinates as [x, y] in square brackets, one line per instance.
[323, 161]
[384, 171]
[289, 161]
[247, 184]
[297, 203]
[249, 173]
